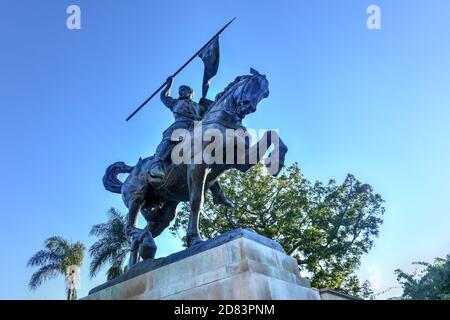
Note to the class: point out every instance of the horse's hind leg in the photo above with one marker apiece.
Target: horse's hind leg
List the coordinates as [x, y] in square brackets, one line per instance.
[196, 175]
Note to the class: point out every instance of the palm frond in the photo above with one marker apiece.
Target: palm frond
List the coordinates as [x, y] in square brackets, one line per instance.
[57, 244]
[44, 257]
[74, 256]
[113, 272]
[113, 213]
[112, 245]
[99, 229]
[78, 247]
[46, 272]
[120, 257]
[115, 218]
[98, 261]
[100, 246]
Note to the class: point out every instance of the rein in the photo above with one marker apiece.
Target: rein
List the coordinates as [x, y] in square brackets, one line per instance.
[228, 119]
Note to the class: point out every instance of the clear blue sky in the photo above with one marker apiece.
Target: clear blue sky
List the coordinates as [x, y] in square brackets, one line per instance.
[345, 99]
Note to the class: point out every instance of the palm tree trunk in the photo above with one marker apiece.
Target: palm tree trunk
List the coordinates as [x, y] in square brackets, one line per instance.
[71, 294]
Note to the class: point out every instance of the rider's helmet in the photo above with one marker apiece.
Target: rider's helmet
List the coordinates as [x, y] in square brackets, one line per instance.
[185, 92]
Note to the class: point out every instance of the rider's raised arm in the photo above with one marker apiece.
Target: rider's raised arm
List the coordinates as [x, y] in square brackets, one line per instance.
[168, 101]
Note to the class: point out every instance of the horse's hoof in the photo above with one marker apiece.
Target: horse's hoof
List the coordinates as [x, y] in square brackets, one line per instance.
[223, 200]
[227, 203]
[147, 250]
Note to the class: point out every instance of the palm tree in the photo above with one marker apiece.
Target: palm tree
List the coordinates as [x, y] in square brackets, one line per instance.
[112, 246]
[58, 255]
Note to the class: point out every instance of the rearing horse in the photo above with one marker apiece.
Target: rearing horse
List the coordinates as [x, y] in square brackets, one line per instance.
[189, 181]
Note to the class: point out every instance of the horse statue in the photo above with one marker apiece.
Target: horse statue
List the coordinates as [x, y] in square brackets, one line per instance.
[189, 180]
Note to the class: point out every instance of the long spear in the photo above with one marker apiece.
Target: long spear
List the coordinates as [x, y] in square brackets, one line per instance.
[179, 70]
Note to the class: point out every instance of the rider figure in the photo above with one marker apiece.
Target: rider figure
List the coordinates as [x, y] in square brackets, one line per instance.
[185, 111]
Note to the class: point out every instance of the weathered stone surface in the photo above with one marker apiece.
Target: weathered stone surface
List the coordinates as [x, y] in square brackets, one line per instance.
[148, 265]
[237, 265]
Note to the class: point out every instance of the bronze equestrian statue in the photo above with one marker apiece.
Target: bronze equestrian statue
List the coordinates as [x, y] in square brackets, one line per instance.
[155, 186]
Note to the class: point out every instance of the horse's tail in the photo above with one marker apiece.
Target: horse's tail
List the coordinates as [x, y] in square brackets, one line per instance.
[110, 180]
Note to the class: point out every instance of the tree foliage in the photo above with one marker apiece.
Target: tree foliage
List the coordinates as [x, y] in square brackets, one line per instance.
[112, 246]
[55, 259]
[326, 227]
[430, 283]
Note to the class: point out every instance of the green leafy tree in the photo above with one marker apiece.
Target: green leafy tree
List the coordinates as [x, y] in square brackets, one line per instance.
[112, 246]
[326, 227]
[430, 283]
[58, 255]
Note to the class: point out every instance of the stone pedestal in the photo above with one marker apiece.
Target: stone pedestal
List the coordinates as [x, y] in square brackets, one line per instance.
[236, 265]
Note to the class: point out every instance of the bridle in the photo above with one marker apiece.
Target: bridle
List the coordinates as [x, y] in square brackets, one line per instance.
[230, 117]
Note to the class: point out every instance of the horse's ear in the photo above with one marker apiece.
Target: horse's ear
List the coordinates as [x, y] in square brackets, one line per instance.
[254, 72]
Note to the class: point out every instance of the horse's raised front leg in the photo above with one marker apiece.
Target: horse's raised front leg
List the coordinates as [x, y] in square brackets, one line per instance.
[219, 197]
[274, 161]
[196, 175]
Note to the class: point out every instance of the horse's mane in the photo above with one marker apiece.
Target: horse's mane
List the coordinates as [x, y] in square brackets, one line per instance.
[228, 87]
[231, 86]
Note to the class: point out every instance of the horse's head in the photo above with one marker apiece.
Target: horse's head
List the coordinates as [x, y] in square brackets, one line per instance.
[247, 96]
[242, 96]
